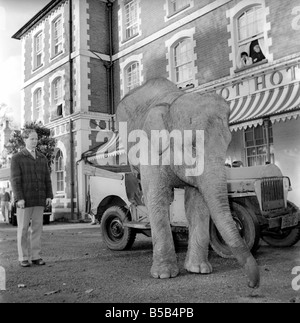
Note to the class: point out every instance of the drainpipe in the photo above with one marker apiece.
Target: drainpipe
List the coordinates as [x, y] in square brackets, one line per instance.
[71, 106]
[111, 76]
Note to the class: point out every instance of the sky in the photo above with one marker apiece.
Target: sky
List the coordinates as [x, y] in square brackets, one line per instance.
[14, 14]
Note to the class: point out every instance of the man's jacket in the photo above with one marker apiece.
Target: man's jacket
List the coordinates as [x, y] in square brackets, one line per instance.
[30, 178]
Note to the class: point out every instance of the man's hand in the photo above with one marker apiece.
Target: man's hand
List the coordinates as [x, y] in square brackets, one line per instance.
[21, 204]
[48, 202]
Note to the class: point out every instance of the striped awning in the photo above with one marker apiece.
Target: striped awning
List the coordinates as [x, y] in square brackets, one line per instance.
[111, 148]
[278, 104]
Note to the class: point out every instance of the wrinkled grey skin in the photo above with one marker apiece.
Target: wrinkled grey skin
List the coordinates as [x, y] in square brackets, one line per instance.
[157, 105]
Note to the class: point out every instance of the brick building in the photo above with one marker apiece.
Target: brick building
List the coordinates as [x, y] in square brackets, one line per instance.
[82, 56]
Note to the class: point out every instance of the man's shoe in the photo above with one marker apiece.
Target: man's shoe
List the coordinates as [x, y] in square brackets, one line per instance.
[38, 262]
[24, 263]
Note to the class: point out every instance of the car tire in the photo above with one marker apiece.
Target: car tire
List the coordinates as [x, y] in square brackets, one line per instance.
[248, 226]
[115, 235]
[286, 237]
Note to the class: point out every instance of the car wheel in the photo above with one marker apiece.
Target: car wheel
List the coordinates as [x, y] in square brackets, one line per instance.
[247, 225]
[283, 238]
[115, 235]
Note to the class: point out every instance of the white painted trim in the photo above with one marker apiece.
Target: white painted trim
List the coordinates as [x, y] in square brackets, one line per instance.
[188, 33]
[46, 72]
[255, 72]
[39, 29]
[40, 85]
[55, 15]
[60, 145]
[164, 31]
[64, 61]
[81, 26]
[123, 65]
[167, 14]
[83, 90]
[121, 12]
[60, 74]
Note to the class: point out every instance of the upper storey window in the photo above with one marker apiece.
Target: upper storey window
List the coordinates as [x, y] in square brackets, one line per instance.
[38, 50]
[57, 97]
[38, 103]
[131, 18]
[132, 76]
[177, 5]
[251, 36]
[183, 54]
[57, 36]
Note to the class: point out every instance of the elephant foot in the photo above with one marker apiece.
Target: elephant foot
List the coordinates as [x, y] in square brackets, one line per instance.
[203, 268]
[164, 271]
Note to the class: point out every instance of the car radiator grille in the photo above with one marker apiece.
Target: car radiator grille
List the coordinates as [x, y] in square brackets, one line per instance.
[272, 194]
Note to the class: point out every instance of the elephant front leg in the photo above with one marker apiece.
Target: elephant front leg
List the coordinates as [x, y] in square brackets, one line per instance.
[164, 257]
[197, 214]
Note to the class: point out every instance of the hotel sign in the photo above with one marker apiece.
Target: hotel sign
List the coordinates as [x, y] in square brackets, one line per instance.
[277, 77]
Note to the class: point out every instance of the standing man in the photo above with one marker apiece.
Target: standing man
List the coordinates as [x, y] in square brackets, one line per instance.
[32, 190]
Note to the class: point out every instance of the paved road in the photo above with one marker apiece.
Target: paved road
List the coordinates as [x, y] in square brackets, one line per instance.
[80, 269]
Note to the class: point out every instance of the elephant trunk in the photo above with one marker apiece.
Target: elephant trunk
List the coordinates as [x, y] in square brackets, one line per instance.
[217, 200]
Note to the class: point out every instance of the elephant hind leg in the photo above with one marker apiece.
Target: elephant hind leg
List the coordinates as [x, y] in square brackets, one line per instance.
[197, 214]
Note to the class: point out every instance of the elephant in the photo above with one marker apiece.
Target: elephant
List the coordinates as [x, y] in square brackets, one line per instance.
[159, 105]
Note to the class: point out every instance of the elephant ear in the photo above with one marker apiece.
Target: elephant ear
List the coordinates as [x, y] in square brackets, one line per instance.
[155, 121]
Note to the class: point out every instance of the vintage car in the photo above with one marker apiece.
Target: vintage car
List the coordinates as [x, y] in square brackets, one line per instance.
[258, 197]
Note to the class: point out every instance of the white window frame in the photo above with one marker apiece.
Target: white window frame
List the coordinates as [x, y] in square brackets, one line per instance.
[122, 19]
[56, 102]
[182, 6]
[134, 59]
[135, 76]
[171, 45]
[57, 87]
[38, 51]
[265, 42]
[38, 102]
[37, 113]
[59, 172]
[259, 157]
[131, 19]
[57, 41]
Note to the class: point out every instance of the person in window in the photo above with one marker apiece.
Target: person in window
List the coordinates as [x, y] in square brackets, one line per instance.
[255, 52]
[245, 59]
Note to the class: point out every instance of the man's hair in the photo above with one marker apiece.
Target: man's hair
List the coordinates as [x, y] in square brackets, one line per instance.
[26, 133]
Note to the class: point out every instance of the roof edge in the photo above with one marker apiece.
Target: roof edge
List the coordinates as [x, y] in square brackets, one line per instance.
[42, 13]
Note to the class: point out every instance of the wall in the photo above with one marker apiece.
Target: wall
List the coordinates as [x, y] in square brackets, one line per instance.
[285, 24]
